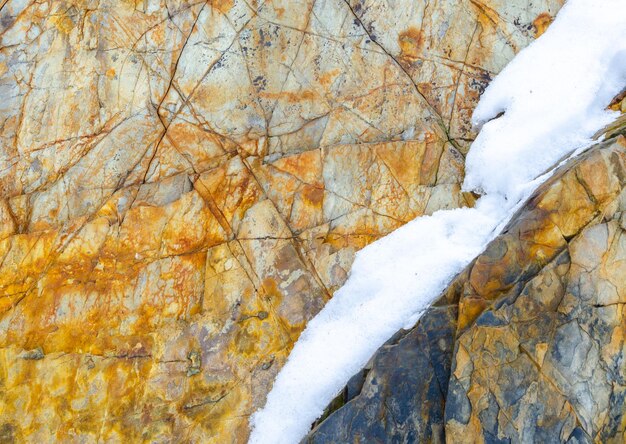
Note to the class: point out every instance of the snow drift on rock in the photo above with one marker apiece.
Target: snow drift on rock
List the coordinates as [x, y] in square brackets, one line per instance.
[391, 282]
[553, 95]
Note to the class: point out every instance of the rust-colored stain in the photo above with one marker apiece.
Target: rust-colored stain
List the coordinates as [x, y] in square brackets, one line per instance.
[63, 23]
[541, 23]
[222, 5]
[291, 97]
[327, 78]
[313, 195]
[619, 102]
[411, 44]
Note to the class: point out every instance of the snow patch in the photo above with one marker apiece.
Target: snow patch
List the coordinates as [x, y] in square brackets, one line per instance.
[553, 95]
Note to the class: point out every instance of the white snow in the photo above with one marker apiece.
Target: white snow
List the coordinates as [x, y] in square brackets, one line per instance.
[553, 95]
[391, 282]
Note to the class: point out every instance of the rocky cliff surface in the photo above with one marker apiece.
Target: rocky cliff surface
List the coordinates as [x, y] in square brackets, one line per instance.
[184, 184]
[527, 344]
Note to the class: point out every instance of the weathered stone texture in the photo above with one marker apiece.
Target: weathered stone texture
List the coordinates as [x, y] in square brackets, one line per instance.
[184, 184]
[403, 395]
[546, 362]
[539, 347]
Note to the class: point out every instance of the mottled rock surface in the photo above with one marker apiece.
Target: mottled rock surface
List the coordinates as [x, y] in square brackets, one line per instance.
[537, 349]
[184, 184]
[401, 396]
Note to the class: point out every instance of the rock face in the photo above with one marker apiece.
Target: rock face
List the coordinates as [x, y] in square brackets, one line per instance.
[184, 184]
[528, 343]
[401, 396]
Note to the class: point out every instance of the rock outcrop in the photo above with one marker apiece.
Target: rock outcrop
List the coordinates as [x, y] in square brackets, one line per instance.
[184, 184]
[528, 342]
